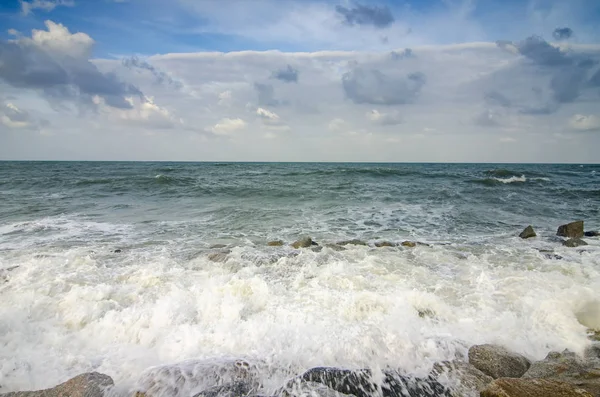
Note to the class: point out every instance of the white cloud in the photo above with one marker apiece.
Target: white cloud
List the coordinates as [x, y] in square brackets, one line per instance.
[57, 39]
[47, 5]
[580, 122]
[142, 113]
[268, 117]
[225, 98]
[337, 125]
[389, 118]
[228, 126]
[13, 117]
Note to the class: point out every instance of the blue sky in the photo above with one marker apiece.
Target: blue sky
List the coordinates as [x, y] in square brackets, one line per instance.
[159, 26]
[300, 80]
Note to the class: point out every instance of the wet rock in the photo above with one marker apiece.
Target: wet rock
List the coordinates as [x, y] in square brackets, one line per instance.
[361, 383]
[512, 387]
[335, 247]
[275, 243]
[574, 242]
[579, 371]
[380, 244]
[218, 246]
[91, 384]
[593, 335]
[463, 376]
[426, 313]
[571, 230]
[118, 251]
[592, 233]
[236, 389]
[317, 249]
[352, 242]
[410, 244]
[528, 232]
[185, 379]
[498, 362]
[218, 257]
[303, 243]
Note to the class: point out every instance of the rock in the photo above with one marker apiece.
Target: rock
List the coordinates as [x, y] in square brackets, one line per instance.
[335, 247]
[579, 371]
[187, 378]
[574, 242]
[512, 387]
[275, 243]
[303, 243]
[571, 230]
[218, 246]
[410, 244]
[593, 335]
[426, 313]
[91, 384]
[498, 362]
[464, 376]
[118, 251]
[361, 383]
[317, 249]
[592, 233]
[380, 244]
[218, 256]
[528, 232]
[352, 242]
[230, 390]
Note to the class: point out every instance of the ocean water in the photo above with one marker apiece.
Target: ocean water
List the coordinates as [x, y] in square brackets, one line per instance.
[116, 267]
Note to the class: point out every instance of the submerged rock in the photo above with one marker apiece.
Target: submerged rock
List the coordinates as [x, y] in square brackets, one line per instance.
[498, 362]
[91, 384]
[574, 242]
[410, 244]
[361, 383]
[592, 233]
[352, 242]
[512, 387]
[218, 256]
[335, 247]
[528, 232]
[579, 371]
[218, 246]
[380, 244]
[303, 243]
[571, 230]
[118, 251]
[275, 243]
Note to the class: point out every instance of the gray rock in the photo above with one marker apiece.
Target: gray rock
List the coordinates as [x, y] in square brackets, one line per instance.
[574, 242]
[335, 247]
[303, 243]
[218, 257]
[218, 246]
[571, 230]
[352, 242]
[91, 384]
[463, 377]
[498, 362]
[236, 389]
[528, 232]
[360, 383]
[580, 371]
[512, 387]
[380, 244]
[592, 233]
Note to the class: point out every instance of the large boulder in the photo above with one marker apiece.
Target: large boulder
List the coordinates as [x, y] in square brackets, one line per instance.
[571, 230]
[513, 387]
[528, 232]
[363, 383]
[304, 242]
[574, 242]
[580, 371]
[92, 384]
[498, 362]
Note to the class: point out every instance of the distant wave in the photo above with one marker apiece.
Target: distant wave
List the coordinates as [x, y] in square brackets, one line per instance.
[371, 172]
[517, 180]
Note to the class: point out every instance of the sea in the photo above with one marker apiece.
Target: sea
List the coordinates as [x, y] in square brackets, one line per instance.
[122, 267]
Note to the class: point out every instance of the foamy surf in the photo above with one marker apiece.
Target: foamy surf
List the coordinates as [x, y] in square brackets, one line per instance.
[123, 279]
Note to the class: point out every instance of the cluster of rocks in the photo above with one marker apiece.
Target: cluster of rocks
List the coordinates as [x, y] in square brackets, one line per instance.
[573, 232]
[490, 371]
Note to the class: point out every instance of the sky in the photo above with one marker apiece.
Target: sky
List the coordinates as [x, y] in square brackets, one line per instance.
[300, 80]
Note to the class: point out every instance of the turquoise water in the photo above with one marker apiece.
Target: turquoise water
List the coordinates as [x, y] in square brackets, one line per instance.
[73, 304]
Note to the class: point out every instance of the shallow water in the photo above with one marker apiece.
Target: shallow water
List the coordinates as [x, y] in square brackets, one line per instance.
[74, 305]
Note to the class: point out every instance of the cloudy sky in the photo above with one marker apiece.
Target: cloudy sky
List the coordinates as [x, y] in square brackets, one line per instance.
[300, 80]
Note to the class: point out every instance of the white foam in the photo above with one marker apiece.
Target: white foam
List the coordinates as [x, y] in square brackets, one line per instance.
[513, 179]
[71, 312]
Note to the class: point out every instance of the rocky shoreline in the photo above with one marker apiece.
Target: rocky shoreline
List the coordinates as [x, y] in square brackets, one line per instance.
[489, 371]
